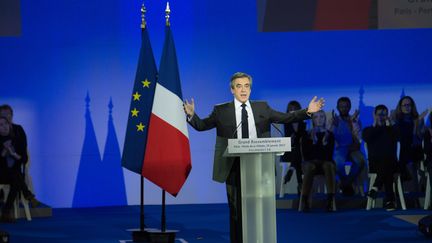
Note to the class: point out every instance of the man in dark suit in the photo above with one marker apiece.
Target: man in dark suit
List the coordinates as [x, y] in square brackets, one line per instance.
[240, 118]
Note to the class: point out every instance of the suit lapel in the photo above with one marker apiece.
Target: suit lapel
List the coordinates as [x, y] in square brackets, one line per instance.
[232, 116]
[254, 111]
[257, 117]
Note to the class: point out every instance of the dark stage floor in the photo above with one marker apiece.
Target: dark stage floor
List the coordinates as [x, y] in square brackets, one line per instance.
[209, 223]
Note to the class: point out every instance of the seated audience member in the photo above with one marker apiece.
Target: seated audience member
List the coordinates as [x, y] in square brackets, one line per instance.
[410, 126]
[6, 111]
[317, 149]
[428, 148]
[381, 140]
[346, 129]
[12, 154]
[295, 130]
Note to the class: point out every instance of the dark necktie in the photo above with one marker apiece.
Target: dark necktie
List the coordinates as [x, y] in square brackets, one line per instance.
[244, 120]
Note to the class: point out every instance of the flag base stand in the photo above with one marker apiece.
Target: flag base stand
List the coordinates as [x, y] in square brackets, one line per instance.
[168, 236]
[140, 236]
[154, 236]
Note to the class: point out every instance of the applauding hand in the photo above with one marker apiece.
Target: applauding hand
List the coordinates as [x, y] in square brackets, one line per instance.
[423, 114]
[355, 116]
[315, 105]
[335, 120]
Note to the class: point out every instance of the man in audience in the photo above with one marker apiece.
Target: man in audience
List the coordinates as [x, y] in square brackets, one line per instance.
[381, 140]
[346, 129]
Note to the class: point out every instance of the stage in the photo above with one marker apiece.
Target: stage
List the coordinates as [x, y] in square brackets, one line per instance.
[209, 223]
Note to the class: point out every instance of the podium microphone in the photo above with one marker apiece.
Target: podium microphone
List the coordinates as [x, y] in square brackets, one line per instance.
[275, 127]
[280, 132]
[235, 130]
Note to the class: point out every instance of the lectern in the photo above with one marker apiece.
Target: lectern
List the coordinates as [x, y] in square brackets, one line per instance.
[257, 172]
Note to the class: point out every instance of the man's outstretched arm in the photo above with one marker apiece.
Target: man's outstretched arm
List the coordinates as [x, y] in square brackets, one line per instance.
[194, 120]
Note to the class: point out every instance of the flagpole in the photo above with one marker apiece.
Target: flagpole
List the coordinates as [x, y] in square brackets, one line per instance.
[153, 235]
[141, 235]
[164, 235]
[163, 216]
[142, 225]
[142, 205]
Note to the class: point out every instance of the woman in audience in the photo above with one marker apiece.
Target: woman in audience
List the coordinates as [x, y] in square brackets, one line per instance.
[19, 133]
[12, 155]
[317, 149]
[295, 130]
[410, 126]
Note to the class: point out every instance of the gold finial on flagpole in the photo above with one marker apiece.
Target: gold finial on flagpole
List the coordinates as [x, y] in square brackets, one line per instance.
[143, 21]
[167, 13]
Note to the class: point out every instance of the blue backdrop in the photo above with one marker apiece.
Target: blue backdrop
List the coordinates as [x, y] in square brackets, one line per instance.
[70, 49]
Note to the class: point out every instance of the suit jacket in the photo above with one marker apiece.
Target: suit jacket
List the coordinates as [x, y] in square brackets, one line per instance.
[20, 146]
[223, 119]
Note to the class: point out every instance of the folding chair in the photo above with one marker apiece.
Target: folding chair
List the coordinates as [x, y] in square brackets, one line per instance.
[397, 184]
[20, 199]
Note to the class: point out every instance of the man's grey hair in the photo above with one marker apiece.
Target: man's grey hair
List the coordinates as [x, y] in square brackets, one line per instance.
[240, 75]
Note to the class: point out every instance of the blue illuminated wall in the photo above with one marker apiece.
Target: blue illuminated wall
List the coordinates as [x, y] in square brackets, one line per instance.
[68, 49]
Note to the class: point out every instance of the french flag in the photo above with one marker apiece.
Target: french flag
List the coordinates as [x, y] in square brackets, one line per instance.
[343, 14]
[167, 160]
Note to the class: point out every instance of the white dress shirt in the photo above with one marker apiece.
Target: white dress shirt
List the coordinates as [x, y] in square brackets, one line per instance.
[251, 120]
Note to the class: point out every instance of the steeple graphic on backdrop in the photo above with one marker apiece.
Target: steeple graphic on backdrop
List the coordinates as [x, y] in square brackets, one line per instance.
[113, 185]
[366, 112]
[99, 182]
[86, 186]
[402, 93]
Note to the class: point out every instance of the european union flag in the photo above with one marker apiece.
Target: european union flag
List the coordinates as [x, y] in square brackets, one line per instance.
[140, 107]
